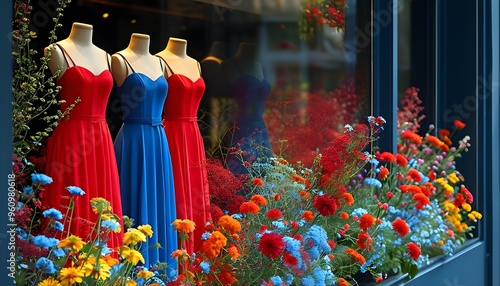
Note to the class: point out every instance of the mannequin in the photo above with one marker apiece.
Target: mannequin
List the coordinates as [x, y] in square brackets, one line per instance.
[142, 149]
[137, 54]
[244, 62]
[80, 150]
[186, 88]
[79, 45]
[175, 54]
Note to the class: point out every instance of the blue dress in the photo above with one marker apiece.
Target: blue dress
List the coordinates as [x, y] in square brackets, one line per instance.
[144, 164]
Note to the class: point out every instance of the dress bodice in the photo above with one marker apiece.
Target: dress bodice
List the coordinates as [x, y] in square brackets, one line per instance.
[184, 97]
[250, 94]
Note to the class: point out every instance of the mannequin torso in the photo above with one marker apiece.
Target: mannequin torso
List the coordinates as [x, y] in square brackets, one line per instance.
[137, 54]
[80, 48]
[177, 59]
[244, 62]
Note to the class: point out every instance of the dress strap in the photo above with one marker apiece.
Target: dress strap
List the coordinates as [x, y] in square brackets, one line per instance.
[66, 56]
[199, 68]
[107, 60]
[171, 71]
[129, 65]
[161, 65]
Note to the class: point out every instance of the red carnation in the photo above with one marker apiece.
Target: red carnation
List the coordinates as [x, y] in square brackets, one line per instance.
[325, 205]
[271, 245]
[459, 124]
[290, 260]
[422, 200]
[413, 250]
[415, 175]
[400, 227]
[366, 221]
[401, 160]
[386, 156]
[274, 214]
[364, 240]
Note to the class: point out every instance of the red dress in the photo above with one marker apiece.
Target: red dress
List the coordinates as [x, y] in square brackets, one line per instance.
[80, 151]
[188, 153]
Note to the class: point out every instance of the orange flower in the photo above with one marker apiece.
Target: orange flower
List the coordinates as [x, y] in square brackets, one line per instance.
[349, 200]
[258, 182]
[342, 282]
[259, 200]
[249, 207]
[459, 124]
[444, 133]
[356, 255]
[305, 195]
[386, 156]
[401, 227]
[213, 245]
[447, 141]
[298, 179]
[434, 141]
[344, 215]
[308, 216]
[401, 160]
[422, 200]
[366, 221]
[233, 252]
[230, 224]
[180, 253]
[414, 175]
[383, 173]
[184, 225]
[412, 137]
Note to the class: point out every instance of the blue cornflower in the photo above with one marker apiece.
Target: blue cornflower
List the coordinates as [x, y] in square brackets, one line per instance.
[58, 226]
[359, 212]
[276, 280]
[28, 190]
[206, 235]
[319, 276]
[313, 252]
[279, 224]
[52, 213]
[237, 216]
[308, 281]
[41, 179]
[21, 233]
[205, 267]
[373, 182]
[45, 242]
[111, 225]
[58, 252]
[46, 265]
[319, 236]
[288, 279]
[75, 191]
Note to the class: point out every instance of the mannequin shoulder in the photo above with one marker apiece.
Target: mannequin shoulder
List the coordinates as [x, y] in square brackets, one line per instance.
[56, 59]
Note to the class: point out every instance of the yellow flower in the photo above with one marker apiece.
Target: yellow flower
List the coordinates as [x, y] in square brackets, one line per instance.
[110, 260]
[184, 225]
[70, 275]
[97, 271]
[49, 282]
[72, 242]
[453, 178]
[100, 205]
[146, 229]
[131, 255]
[466, 207]
[133, 236]
[474, 215]
[130, 282]
[145, 274]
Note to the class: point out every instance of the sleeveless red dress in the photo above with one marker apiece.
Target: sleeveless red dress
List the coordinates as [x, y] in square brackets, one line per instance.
[80, 151]
[188, 153]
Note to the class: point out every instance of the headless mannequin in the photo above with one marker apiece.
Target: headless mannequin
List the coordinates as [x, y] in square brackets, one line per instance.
[176, 56]
[211, 64]
[81, 49]
[244, 62]
[137, 54]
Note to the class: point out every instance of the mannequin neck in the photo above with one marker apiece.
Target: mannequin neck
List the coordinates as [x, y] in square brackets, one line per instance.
[139, 44]
[177, 47]
[81, 34]
[246, 52]
[217, 50]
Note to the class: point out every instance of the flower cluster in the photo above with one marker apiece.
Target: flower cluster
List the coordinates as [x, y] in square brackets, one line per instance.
[47, 256]
[318, 13]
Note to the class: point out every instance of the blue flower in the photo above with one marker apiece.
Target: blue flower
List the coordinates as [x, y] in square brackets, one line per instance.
[373, 182]
[58, 226]
[110, 224]
[276, 280]
[319, 276]
[28, 190]
[288, 279]
[308, 281]
[45, 242]
[41, 179]
[46, 265]
[206, 235]
[359, 212]
[205, 267]
[75, 191]
[52, 213]
[21, 233]
[59, 252]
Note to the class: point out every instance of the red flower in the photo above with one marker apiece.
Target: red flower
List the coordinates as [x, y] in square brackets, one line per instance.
[386, 156]
[470, 197]
[444, 133]
[415, 175]
[364, 240]
[413, 250]
[401, 160]
[274, 214]
[411, 136]
[384, 173]
[366, 221]
[271, 245]
[290, 260]
[349, 200]
[422, 200]
[325, 205]
[294, 225]
[355, 255]
[258, 182]
[308, 216]
[344, 215]
[389, 195]
[401, 227]
[459, 124]
[259, 200]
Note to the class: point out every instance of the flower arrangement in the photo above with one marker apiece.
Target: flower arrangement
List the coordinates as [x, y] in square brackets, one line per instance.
[315, 14]
[351, 212]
